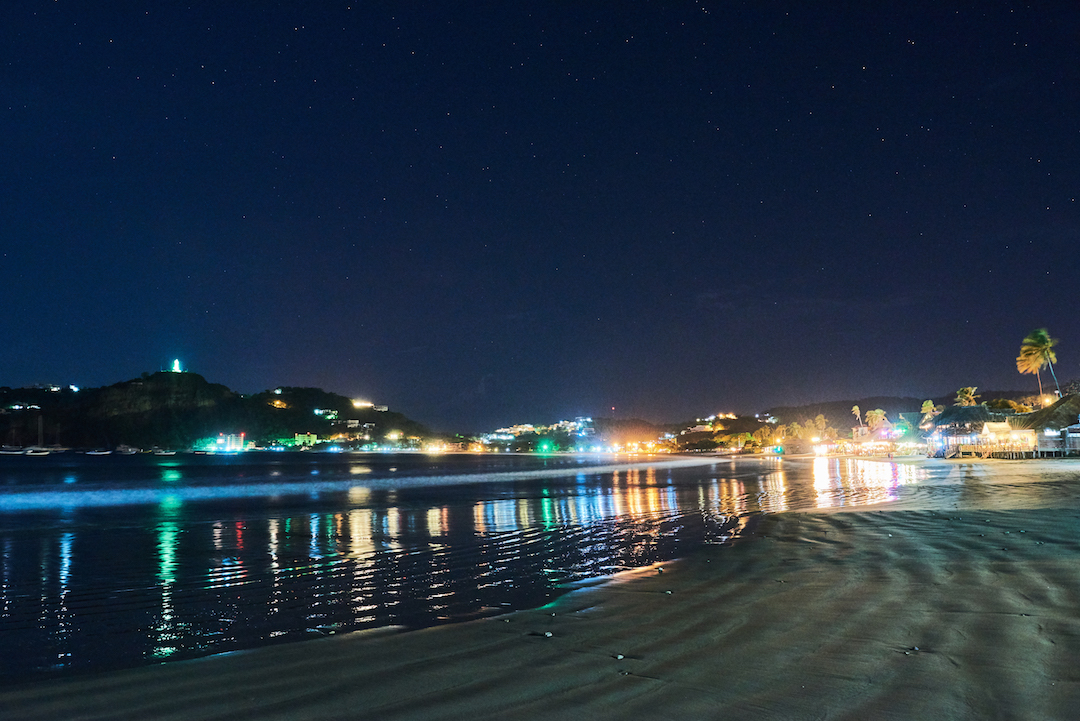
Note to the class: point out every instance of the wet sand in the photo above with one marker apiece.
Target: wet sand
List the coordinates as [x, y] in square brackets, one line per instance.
[955, 613]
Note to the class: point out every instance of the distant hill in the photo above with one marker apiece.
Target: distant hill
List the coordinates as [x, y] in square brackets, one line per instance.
[839, 413]
[628, 430]
[742, 424]
[164, 409]
[174, 410]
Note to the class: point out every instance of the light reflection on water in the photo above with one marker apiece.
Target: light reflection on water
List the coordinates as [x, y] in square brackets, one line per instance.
[93, 588]
[858, 482]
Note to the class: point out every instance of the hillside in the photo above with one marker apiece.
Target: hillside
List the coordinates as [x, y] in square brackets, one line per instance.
[175, 410]
[839, 413]
[627, 430]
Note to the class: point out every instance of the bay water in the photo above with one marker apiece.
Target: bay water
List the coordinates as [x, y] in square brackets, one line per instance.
[117, 561]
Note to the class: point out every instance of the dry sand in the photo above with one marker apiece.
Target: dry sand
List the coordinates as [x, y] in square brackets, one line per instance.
[867, 614]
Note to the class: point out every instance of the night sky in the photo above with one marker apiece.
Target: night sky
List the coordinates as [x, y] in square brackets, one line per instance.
[486, 213]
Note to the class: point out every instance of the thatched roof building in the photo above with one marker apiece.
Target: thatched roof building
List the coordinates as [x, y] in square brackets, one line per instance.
[968, 418]
[1064, 413]
[978, 430]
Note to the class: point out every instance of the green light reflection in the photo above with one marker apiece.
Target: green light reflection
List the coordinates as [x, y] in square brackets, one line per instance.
[168, 542]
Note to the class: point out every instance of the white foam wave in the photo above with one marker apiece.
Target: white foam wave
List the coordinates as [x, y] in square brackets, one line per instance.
[148, 495]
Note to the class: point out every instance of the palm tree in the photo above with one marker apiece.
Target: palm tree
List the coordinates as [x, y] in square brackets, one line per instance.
[966, 396]
[1031, 364]
[929, 410]
[1036, 351]
[875, 418]
[857, 413]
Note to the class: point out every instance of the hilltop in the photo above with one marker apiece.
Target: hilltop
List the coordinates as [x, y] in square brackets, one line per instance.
[176, 410]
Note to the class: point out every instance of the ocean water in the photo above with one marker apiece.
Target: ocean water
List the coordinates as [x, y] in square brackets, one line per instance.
[115, 561]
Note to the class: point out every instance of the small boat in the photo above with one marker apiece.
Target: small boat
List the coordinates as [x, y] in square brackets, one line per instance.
[99, 453]
[164, 453]
[11, 451]
[36, 452]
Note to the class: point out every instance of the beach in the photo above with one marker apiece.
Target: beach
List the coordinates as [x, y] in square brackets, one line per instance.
[968, 609]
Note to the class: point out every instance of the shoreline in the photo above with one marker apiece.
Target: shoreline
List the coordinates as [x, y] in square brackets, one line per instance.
[789, 623]
[850, 613]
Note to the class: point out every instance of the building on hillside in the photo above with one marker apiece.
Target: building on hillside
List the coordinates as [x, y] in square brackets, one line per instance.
[224, 443]
[305, 439]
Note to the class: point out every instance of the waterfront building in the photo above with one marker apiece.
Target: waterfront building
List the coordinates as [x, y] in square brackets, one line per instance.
[979, 431]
